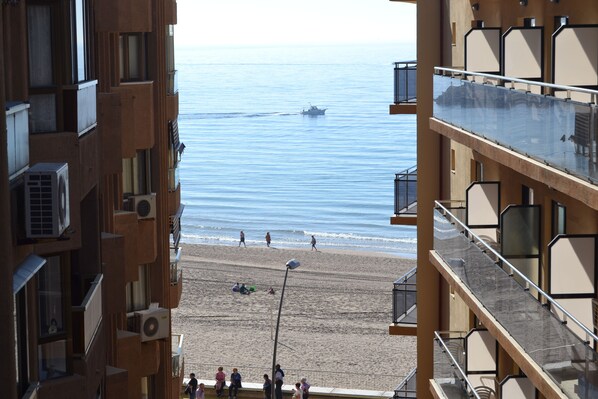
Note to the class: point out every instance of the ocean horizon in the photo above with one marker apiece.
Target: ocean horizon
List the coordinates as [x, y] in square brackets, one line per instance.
[252, 162]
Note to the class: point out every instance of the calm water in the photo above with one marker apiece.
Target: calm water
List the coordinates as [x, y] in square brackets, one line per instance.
[254, 163]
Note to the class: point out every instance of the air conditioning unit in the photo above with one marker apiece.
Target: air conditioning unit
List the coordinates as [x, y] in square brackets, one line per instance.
[144, 205]
[153, 324]
[47, 200]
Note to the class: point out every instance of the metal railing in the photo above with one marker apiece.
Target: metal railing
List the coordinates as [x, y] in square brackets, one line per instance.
[404, 295]
[544, 336]
[525, 116]
[407, 389]
[406, 191]
[405, 80]
[448, 371]
[177, 354]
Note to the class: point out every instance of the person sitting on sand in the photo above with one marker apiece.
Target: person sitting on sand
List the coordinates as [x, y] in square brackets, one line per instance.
[243, 290]
[236, 287]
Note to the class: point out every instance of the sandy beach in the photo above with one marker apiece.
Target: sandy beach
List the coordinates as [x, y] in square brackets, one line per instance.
[334, 324]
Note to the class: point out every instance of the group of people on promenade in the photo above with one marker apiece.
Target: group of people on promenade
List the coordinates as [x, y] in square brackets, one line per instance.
[269, 240]
[196, 390]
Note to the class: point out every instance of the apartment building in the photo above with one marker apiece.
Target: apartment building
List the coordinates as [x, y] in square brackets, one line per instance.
[89, 199]
[507, 199]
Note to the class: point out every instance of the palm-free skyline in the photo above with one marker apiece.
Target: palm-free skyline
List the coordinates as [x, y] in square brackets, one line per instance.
[274, 22]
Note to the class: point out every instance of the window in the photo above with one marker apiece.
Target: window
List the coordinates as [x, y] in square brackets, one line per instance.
[453, 160]
[138, 291]
[136, 174]
[133, 57]
[559, 219]
[21, 342]
[454, 33]
[79, 42]
[52, 356]
[477, 171]
[527, 195]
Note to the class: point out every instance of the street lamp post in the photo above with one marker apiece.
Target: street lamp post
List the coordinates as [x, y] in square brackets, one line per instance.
[292, 264]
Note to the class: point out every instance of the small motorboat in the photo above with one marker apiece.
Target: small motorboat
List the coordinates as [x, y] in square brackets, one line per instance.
[313, 111]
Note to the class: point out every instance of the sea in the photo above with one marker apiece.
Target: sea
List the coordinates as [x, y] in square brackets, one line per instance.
[253, 162]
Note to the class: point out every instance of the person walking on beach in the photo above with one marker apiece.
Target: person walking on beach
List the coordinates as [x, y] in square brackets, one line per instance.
[220, 382]
[305, 387]
[313, 243]
[191, 388]
[297, 392]
[267, 387]
[278, 381]
[268, 239]
[242, 239]
[201, 391]
[235, 384]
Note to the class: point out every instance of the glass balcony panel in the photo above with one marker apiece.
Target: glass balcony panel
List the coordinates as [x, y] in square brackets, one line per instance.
[405, 79]
[404, 296]
[557, 131]
[406, 191]
[551, 344]
[407, 389]
[448, 366]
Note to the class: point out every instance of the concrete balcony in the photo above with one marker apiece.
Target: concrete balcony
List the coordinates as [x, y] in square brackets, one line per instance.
[405, 198]
[174, 199]
[178, 364]
[140, 241]
[176, 277]
[404, 305]
[529, 324]
[137, 123]
[523, 125]
[170, 12]
[405, 88]
[80, 107]
[17, 129]
[87, 317]
[123, 16]
[140, 359]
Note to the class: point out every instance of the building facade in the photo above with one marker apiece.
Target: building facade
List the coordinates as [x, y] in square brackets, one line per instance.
[507, 199]
[89, 199]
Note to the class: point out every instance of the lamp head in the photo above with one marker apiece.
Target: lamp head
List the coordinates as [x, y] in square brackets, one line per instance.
[293, 264]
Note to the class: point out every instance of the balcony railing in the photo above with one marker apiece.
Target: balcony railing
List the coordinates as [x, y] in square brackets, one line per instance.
[173, 83]
[17, 128]
[88, 316]
[406, 192]
[407, 389]
[404, 295]
[556, 131]
[449, 366]
[177, 354]
[405, 81]
[546, 339]
[175, 258]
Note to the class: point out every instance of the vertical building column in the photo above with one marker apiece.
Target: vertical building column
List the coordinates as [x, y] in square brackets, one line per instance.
[7, 338]
[429, 53]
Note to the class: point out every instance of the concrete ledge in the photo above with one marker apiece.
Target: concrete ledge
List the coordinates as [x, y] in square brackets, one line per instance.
[254, 390]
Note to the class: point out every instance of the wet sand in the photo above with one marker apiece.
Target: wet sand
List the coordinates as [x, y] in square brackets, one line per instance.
[334, 323]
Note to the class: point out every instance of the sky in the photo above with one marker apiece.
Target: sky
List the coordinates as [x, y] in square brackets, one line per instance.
[275, 22]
